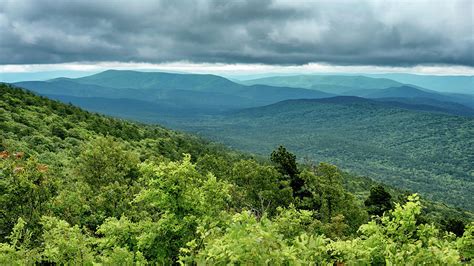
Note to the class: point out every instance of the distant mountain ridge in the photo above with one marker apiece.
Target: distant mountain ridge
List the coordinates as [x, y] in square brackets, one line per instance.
[199, 92]
[175, 94]
[442, 83]
[369, 87]
[327, 83]
[423, 104]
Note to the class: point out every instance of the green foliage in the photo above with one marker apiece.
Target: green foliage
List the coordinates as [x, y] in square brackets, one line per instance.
[19, 250]
[285, 161]
[329, 197]
[423, 152]
[259, 188]
[397, 240]
[465, 244]
[110, 192]
[286, 165]
[245, 241]
[379, 201]
[400, 240]
[26, 187]
[103, 161]
[65, 244]
[183, 198]
[120, 242]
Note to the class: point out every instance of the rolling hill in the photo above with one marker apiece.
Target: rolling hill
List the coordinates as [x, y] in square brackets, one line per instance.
[450, 84]
[191, 93]
[423, 151]
[459, 104]
[169, 96]
[375, 86]
[328, 83]
[428, 104]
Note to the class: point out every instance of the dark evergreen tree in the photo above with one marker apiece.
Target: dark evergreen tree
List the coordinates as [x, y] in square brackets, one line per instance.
[454, 225]
[379, 201]
[285, 163]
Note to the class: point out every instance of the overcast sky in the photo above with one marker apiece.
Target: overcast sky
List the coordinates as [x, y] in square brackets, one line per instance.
[348, 34]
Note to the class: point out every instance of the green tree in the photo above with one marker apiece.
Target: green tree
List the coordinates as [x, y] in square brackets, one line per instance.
[119, 242]
[465, 244]
[246, 241]
[399, 240]
[379, 201]
[259, 188]
[19, 251]
[285, 162]
[181, 198]
[109, 173]
[104, 160]
[26, 187]
[65, 244]
[330, 199]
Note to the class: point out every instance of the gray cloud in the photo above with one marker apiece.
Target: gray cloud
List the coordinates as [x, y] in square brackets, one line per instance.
[391, 33]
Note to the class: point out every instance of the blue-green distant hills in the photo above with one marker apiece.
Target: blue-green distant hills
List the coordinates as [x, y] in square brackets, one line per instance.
[187, 92]
[379, 87]
[450, 84]
[328, 83]
[335, 83]
[171, 94]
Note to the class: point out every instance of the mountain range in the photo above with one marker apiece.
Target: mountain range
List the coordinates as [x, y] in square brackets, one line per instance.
[188, 93]
[402, 134]
[158, 94]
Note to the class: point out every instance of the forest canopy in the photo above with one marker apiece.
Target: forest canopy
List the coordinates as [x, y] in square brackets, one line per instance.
[82, 188]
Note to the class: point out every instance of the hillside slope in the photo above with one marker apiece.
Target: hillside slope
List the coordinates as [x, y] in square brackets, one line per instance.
[425, 152]
[82, 188]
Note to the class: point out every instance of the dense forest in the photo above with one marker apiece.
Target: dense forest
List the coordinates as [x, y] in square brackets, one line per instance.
[430, 153]
[83, 188]
[403, 135]
[211, 132]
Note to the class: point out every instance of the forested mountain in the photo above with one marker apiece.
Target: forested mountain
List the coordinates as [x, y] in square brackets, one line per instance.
[327, 83]
[429, 104]
[201, 103]
[190, 92]
[423, 151]
[165, 97]
[404, 91]
[371, 87]
[412, 93]
[452, 84]
[82, 188]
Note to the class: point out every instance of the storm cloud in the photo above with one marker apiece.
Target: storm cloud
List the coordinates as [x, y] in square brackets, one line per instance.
[386, 33]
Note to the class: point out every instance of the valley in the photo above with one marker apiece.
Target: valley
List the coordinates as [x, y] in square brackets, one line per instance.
[211, 132]
[403, 135]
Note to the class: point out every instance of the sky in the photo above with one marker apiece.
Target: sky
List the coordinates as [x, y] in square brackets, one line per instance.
[214, 36]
